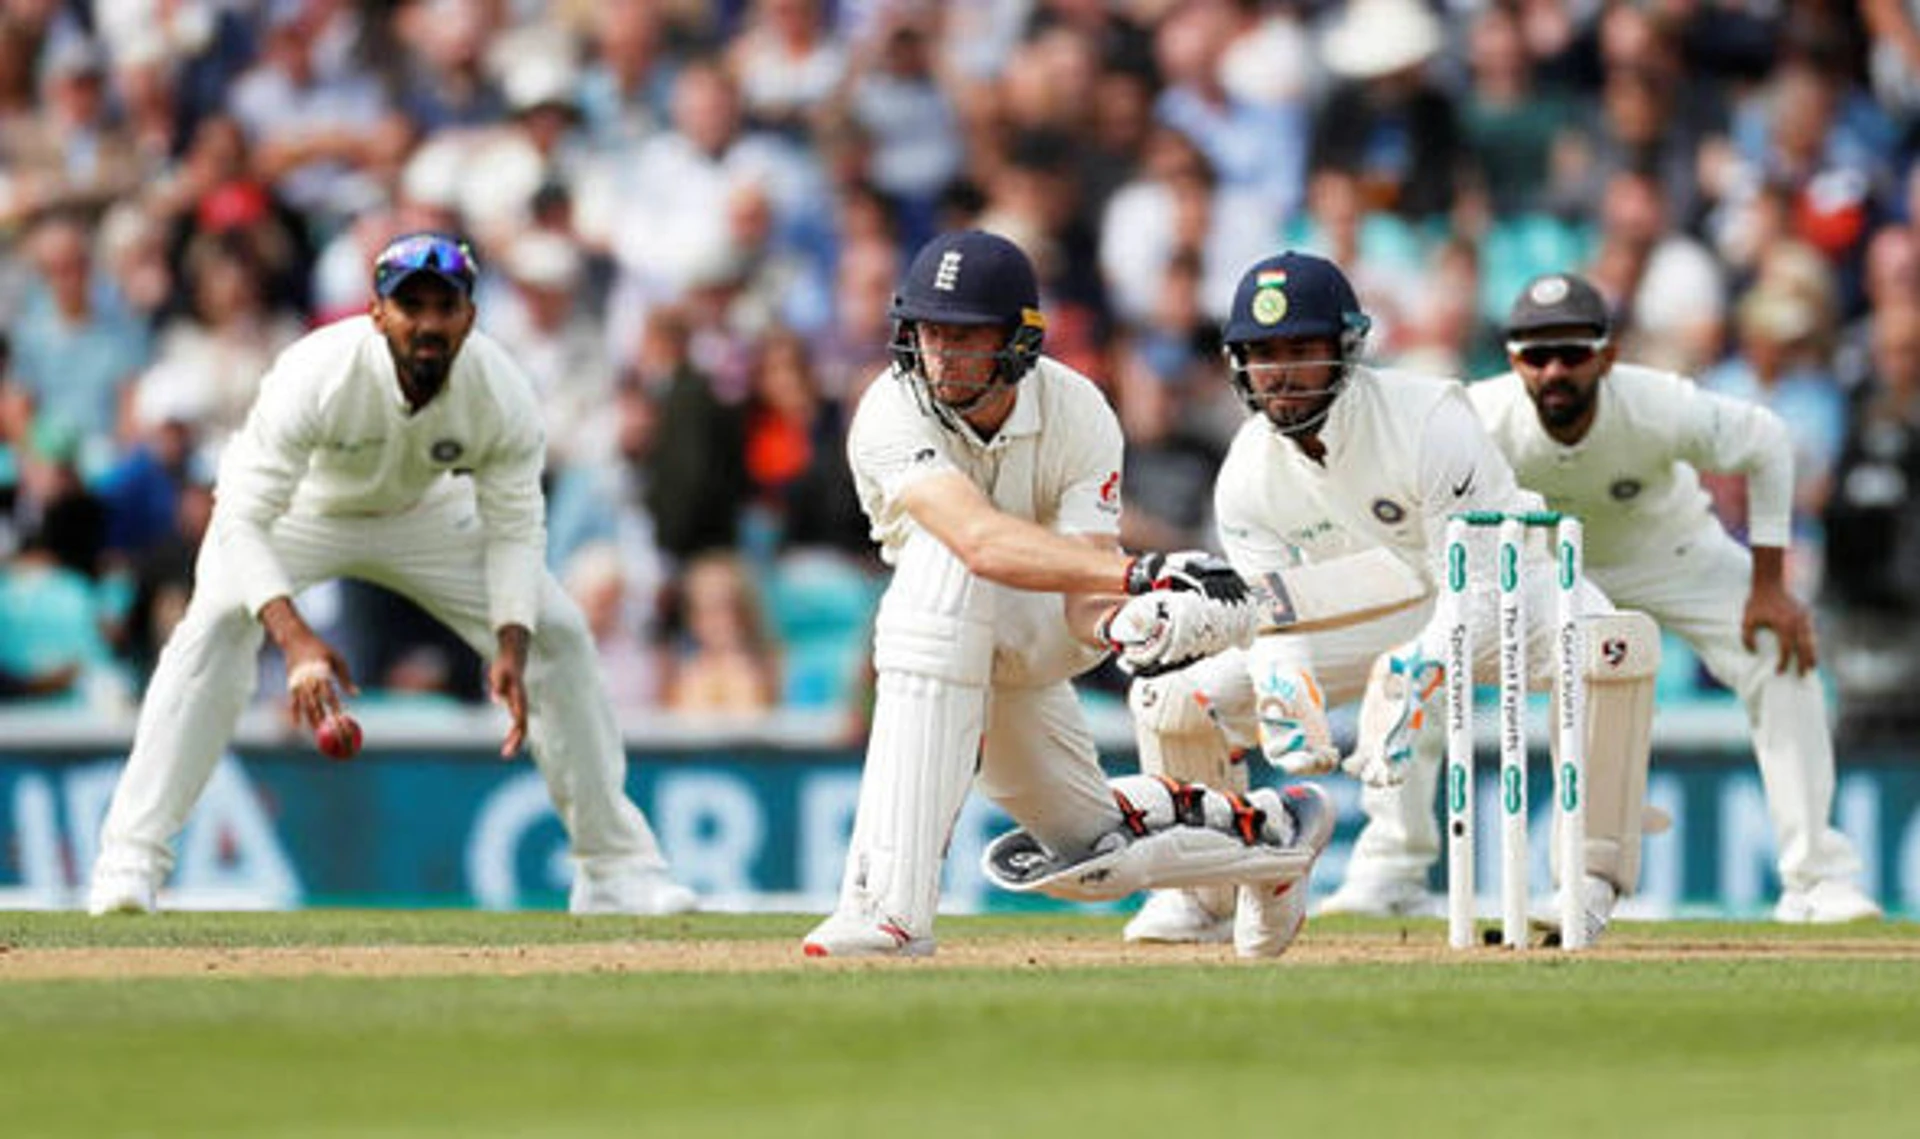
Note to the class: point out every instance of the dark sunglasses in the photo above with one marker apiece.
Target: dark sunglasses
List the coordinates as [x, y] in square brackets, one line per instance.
[1571, 353]
[448, 258]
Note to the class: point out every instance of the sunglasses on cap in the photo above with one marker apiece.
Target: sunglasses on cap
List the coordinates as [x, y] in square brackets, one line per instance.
[447, 258]
[1572, 353]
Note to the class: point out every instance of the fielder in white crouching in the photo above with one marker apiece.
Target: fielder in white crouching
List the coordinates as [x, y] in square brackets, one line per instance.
[1619, 446]
[1341, 465]
[991, 477]
[405, 449]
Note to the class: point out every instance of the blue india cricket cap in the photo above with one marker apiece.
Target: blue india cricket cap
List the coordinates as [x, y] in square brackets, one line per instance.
[439, 255]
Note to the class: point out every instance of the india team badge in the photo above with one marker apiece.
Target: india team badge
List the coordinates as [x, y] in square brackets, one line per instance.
[1269, 296]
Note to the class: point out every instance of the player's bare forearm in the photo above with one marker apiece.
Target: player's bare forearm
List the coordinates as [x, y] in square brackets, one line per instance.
[284, 625]
[1012, 551]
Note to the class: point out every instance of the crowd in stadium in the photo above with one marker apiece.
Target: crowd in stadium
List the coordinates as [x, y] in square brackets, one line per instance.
[692, 216]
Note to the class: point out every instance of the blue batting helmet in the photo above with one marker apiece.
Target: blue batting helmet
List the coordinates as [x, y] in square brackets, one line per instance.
[968, 277]
[1294, 296]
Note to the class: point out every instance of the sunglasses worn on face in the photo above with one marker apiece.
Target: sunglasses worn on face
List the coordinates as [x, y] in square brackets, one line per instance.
[449, 259]
[1572, 353]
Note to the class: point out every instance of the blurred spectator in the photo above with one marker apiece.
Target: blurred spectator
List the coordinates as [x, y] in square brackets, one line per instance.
[1667, 288]
[796, 465]
[853, 349]
[605, 504]
[163, 580]
[70, 152]
[666, 232]
[1172, 208]
[1168, 482]
[1386, 119]
[1873, 538]
[207, 366]
[52, 508]
[896, 99]
[1890, 277]
[1444, 333]
[722, 660]
[1259, 147]
[314, 136]
[785, 63]
[1782, 363]
[696, 475]
[554, 337]
[441, 81]
[1381, 252]
[623, 633]
[76, 350]
[537, 148]
[55, 648]
[1514, 130]
[1814, 137]
[627, 86]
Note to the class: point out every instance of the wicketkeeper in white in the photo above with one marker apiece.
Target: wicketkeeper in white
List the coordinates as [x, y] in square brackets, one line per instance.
[1620, 447]
[402, 448]
[1356, 471]
[991, 475]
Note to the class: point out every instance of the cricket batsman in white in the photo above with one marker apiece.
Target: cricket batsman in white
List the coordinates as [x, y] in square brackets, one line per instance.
[1357, 470]
[1620, 447]
[402, 448]
[990, 474]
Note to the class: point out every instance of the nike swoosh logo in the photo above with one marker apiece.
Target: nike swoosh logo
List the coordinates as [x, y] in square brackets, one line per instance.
[1466, 484]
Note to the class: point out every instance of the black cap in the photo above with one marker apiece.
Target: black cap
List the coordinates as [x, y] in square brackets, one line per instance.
[1558, 300]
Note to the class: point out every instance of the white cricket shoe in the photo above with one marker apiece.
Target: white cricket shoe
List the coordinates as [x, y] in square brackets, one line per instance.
[1829, 901]
[1380, 898]
[623, 890]
[1597, 899]
[1178, 917]
[122, 892]
[857, 935]
[1270, 915]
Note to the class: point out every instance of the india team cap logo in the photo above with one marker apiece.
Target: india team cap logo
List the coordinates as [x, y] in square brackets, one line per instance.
[1270, 298]
[1548, 291]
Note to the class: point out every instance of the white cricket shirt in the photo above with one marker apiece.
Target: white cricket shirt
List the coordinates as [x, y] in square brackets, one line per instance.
[1633, 480]
[330, 435]
[1056, 460]
[1404, 453]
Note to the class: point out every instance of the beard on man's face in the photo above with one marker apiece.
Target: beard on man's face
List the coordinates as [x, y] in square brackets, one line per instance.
[426, 360]
[1561, 403]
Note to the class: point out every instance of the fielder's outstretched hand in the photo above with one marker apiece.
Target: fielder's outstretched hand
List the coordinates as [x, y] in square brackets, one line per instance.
[507, 684]
[314, 669]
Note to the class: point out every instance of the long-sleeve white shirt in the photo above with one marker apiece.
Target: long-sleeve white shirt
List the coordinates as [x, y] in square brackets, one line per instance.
[1404, 453]
[1056, 460]
[331, 435]
[1633, 479]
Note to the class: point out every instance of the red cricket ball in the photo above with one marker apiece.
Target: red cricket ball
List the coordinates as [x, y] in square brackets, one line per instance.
[338, 736]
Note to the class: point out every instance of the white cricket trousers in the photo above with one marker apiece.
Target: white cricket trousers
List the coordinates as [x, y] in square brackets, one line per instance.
[434, 556]
[1697, 590]
[972, 682]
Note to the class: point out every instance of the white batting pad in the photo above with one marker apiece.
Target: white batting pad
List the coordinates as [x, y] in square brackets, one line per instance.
[1623, 654]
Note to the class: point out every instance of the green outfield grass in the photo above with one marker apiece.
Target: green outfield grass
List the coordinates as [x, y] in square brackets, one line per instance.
[1680, 1040]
